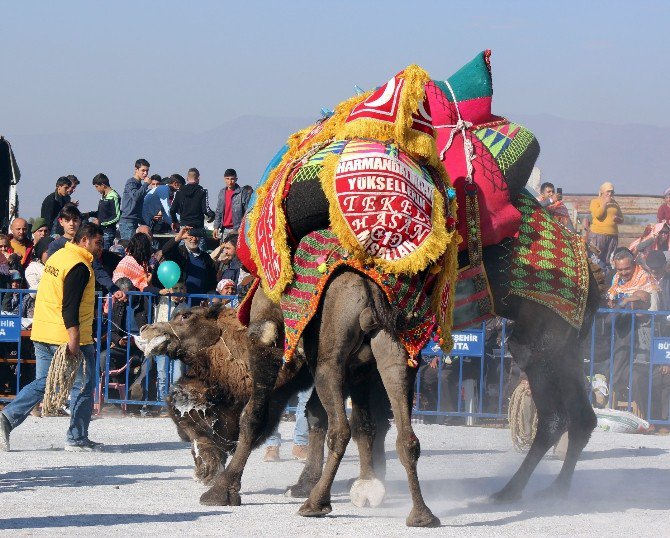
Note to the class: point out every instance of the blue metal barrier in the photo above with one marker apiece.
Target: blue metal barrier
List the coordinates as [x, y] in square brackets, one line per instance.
[12, 334]
[630, 348]
[22, 356]
[635, 362]
[469, 348]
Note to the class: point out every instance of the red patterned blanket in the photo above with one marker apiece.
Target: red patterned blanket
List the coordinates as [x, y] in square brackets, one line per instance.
[317, 258]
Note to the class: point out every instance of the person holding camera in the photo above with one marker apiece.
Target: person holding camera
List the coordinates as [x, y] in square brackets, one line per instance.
[552, 200]
[606, 216]
[197, 267]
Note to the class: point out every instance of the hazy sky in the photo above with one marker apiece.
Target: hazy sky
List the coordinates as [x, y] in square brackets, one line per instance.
[94, 66]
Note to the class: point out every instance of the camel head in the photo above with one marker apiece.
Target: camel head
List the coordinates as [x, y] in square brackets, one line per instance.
[189, 332]
[199, 328]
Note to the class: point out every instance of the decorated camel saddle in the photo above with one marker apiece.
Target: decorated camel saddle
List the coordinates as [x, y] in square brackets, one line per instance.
[393, 184]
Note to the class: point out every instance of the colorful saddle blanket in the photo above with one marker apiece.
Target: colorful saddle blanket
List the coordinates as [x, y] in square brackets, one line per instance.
[549, 264]
[317, 259]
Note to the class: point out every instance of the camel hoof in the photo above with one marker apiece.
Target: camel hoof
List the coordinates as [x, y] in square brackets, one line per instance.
[299, 491]
[505, 496]
[220, 497]
[367, 492]
[422, 518]
[310, 510]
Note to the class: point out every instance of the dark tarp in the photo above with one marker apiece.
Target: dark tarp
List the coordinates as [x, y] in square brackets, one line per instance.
[9, 175]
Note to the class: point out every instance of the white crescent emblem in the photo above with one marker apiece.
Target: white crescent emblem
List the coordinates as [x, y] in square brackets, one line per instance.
[423, 113]
[384, 97]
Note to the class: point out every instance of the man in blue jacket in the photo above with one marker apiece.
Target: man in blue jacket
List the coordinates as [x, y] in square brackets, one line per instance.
[157, 202]
[133, 199]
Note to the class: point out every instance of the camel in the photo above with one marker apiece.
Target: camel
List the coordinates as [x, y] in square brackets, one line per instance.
[355, 331]
[543, 344]
[356, 326]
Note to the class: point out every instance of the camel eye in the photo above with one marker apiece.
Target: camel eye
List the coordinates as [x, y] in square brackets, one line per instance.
[186, 315]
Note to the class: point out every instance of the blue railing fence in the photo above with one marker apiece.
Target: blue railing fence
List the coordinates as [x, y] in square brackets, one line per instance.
[628, 349]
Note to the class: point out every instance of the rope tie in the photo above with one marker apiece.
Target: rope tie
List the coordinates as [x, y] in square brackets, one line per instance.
[522, 416]
[461, 126]
[60, 379]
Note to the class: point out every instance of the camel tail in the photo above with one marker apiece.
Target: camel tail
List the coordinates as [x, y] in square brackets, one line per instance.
[380, 315]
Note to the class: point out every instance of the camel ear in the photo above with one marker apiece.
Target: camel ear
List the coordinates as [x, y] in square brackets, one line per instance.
[214, 311]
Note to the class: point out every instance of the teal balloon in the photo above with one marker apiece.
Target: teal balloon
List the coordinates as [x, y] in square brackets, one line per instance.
[169, 273]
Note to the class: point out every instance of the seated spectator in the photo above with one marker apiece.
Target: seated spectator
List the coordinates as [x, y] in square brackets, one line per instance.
[120, 344]
[632, 287]
[5, 247]
[21, 241]
[12, 260]
[663, 213]
[14, 263]
[4, 271]
[654, 237]
[116, 351]
[197, 267]
[12, 300]
[660, 394]
[443, 383]
[39, 229]
[36, 268]
[135, 265]
[228, 265]
[229, 288]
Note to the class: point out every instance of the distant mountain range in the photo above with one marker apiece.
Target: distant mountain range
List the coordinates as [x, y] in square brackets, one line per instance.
[577, 156]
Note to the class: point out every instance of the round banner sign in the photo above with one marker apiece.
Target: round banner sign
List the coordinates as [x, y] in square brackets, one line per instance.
[385, 197]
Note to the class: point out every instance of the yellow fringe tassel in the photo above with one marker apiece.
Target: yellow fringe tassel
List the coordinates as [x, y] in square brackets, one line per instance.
[291, 158]
[416, 144]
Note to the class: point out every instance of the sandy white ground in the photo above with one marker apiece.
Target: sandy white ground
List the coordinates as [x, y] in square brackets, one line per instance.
[142, 485]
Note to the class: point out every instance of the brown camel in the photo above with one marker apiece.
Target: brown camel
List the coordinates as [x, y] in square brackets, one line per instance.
[353, 332]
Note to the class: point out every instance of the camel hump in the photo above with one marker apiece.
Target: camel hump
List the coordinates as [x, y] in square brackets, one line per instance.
[263, 333]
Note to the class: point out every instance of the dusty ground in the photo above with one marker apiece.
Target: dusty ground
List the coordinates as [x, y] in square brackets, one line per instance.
[142, 485]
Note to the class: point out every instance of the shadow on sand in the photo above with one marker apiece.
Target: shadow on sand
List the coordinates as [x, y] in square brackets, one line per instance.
[89, 475]
[97, 520]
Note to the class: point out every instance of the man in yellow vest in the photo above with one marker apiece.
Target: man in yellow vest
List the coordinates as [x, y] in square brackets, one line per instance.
[63, 315]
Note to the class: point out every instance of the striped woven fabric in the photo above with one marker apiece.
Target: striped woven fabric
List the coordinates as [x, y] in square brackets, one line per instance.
[314, 262]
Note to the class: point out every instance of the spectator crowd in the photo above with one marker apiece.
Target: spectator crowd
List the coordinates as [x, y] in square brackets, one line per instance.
[153, 219]
[156, 219]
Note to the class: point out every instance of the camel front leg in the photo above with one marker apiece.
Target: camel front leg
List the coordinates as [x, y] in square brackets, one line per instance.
[191, 411]
[264, 369]
[392, 364]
